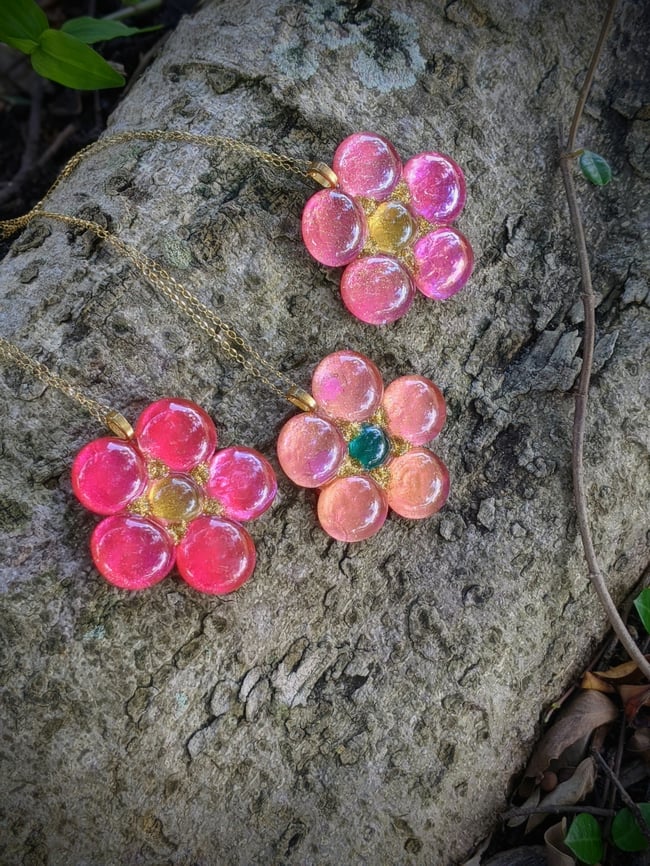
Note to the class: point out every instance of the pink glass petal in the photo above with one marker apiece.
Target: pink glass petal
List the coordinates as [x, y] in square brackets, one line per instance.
[444, 262]
[243, 481]
[107, 474]
[216, 555]
[377, 289]
[347, 385]
[437, 186]
[352, 509]
[310, 450]
[415, 408]
[367, 164]
[131, 552]
[177, 432]
[419, 484]
[333, 228]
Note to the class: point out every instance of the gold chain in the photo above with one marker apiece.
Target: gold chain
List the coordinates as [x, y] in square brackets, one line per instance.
[232, 344]
[318, 171]
[112, 419]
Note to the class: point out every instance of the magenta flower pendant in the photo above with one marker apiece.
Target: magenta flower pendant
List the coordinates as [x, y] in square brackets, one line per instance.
[390, 226]
[362, 447]
[170, 498]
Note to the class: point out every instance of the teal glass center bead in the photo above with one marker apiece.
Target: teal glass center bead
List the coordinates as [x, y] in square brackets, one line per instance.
[370, 447]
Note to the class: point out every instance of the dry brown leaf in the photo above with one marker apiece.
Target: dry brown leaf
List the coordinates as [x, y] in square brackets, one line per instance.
[590, 680]
[531, 800]
[557, 854]
[627, 673]
[634, 697]
[568, 793]
[586, 712]
[639, 743]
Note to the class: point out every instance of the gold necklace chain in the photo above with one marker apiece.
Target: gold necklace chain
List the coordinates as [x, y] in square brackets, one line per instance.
[230, 342]
[308, 169]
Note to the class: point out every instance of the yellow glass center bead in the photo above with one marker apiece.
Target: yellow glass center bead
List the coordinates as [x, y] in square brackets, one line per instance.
[175, 498]
[391, 226]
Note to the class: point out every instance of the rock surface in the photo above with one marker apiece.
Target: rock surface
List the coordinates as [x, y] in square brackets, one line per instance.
[351, 704]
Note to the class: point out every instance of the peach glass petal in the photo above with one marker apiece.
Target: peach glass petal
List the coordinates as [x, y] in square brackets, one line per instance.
[107, 474]
[415, 408]
[131, 552]
[177, 432]
[347, 385]
[419, 484]
[333, 228]
[216, 556]
[444, 262]
[310, 450]
[243, 481]
[367, 164]
[352, 509]
[377, 289]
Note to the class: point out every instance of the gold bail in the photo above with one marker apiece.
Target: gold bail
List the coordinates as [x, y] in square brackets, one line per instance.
[117, 423]
[323, 174]
[302, 399]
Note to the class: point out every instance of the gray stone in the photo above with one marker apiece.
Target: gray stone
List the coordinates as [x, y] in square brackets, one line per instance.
[351, 704]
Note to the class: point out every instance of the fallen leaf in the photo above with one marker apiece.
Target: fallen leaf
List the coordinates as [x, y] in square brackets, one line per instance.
[568, 793]
[634, 698]
[639, 743]
[557, 854]
[591, 680]
[586, 712]
[627, 673]
[531, 800]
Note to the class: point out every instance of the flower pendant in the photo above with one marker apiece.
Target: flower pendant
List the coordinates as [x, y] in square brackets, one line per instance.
[170, 498]
[362, 447]
[389, 225]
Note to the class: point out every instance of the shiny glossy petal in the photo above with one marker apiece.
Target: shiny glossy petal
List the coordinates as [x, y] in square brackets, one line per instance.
[367, 164]
[444, 263]
[333, 227]
[377, 289]
[415, 408]
[347, 385]
[243, 481]
[419, 484]
[107, 474]
[437, 186]
[352, 509]
[131, 552]
[310, 450]
[177, 432]
[216, 556]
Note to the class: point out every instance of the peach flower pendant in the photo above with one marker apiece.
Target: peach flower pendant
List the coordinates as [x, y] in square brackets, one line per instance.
[168, 497]
[362, 447]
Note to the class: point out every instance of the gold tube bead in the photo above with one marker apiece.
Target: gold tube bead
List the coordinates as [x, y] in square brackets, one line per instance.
[323, 174]
[302, 399]
[117, 424]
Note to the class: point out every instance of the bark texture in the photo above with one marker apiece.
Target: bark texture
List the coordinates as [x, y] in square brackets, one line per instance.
[351, 704]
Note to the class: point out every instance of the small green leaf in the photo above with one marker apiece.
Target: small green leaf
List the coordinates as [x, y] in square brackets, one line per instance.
[64, 59]
[642, 605]
[595, 168]
[91, 30]
[585, 839]
[625, 830]
[21, 24]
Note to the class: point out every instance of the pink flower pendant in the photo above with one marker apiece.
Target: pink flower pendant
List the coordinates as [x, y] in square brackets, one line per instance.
[362, 447]
[170, 498]
[390, 227]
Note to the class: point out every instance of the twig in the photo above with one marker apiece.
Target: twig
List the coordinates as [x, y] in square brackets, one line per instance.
[625, 797]
[525, 811]
[579, 421]
[133, 11]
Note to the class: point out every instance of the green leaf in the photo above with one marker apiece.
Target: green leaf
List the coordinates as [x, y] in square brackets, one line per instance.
[21, 24]
[91, 30]
[625, 830]
[642, 605]
[595, 168]
[64, 59]
[585, 839]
